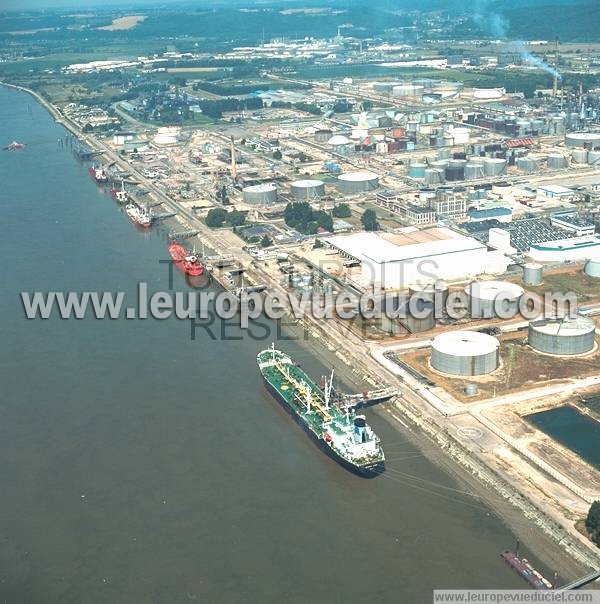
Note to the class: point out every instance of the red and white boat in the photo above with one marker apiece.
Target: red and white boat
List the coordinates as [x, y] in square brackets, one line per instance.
[188, 263]
[98, 174]
[120, 195]
[15, 146]
[140, 216]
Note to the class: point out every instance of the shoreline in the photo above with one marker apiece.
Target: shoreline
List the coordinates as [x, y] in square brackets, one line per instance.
[449, 452]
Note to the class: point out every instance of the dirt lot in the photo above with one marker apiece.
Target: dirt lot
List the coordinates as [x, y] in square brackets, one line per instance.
[570, 279]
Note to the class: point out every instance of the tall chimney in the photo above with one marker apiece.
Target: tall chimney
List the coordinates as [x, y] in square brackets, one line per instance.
[555, 84]
[233, 161]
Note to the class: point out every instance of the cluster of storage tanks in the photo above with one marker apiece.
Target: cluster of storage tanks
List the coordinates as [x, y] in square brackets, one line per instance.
[472, 353]
[455, 169]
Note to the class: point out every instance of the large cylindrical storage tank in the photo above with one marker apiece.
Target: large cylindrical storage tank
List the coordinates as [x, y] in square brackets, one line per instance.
[444, 153]
[473, 171]
[417, 324]
[592, 268]
[557, 161]
[494, 166]
[465, 353]
[408, 90]
[579, 156]
[455, 170]
[263, 194]
[323, 135]
[357, 182]
[564, 337]
[307, 189]
[383, 87]
[488, 299]
[533, 273]
[582, 140]
[434, 176]
[430, 291]
[528, 164]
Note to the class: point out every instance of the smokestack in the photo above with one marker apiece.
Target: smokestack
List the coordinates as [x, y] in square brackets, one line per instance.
[233, 161]
[555, 83]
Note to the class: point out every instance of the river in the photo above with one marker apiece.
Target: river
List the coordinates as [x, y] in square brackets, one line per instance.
[139, 465]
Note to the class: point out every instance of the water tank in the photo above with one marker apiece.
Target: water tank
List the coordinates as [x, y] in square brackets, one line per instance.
[434, 176]
[429, 291]
[338, 140]
[323, 135]
[307, 189]
[494, 166]
[557, 161]
[502, 188]
[263, 194]
[357, 182]
[533, 273]
[417, 170]
[592, 268]
[471, 389]
[528, 164]
[465, 353]
[383, 87]
[594, 158]
[564, 337]
[487, 298]
[582, 140]
[579, 156]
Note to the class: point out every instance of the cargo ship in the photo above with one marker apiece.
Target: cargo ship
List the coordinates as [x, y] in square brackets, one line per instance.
[188, 263]
[343, 435]
[524, 568]
[98, 174]
[140, 216]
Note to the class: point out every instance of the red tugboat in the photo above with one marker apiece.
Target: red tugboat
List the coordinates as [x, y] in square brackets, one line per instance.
[188, 263]
[98, 174]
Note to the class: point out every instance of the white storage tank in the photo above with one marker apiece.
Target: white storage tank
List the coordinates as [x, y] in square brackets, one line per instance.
[465, 353]
[563, 337]
[582, 140]
[263, 194]
[494, 166]
[307, 189]
[488, 298]
[357, 182]
[429, 291]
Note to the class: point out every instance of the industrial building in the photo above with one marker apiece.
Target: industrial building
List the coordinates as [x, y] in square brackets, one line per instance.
[566, 250]
[396, 261]
[563, 337]
[465, 353]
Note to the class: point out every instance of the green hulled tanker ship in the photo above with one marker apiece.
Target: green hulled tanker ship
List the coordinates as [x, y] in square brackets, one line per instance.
[345, 436]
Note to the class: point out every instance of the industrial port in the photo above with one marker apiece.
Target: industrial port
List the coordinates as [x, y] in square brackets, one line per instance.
[407, 186]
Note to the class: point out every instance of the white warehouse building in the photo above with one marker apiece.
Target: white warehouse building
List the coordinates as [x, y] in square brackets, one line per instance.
[396, 266]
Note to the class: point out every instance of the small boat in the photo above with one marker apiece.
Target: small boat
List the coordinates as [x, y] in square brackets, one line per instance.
[98, 174]
[15, 146]
[140, 216]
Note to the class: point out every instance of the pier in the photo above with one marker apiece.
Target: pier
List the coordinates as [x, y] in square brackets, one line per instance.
[593, 576]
